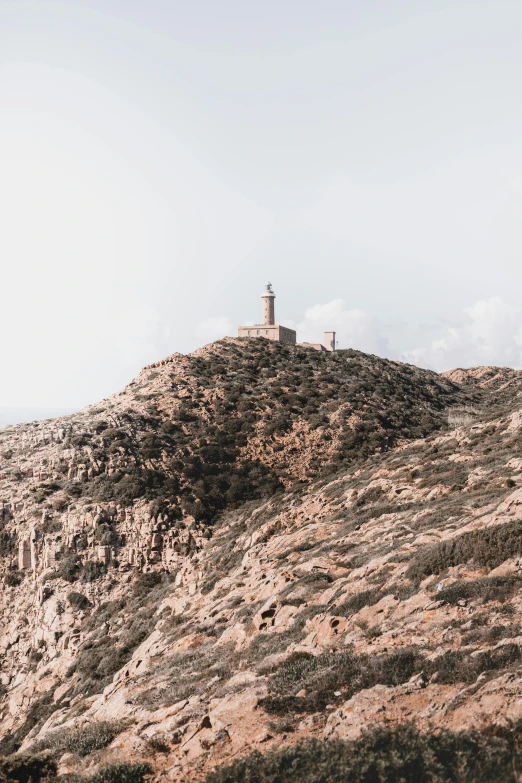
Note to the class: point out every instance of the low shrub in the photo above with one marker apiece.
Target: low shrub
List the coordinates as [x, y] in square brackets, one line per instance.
[91, 570]
[144, 583]
[493, 588]
[40, 711]
[12, 579]
[489, 547]
[121, 773]
[81, 740]
[100, 658]
[7, 544]
[68, 568]
[157, 745]
[329, 678]
[189, 673]
[78, 600]
[491, 634]
[389, 755]
[356, 602]
[323, 676]
[456, 666]
[27, 769]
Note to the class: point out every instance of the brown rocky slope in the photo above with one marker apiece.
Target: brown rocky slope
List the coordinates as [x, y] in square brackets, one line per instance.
[257, 544]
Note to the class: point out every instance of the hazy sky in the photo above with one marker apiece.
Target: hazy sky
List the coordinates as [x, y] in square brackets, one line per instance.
[160, 160]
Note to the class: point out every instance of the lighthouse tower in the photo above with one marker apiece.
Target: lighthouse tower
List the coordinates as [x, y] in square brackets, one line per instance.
[268, 297]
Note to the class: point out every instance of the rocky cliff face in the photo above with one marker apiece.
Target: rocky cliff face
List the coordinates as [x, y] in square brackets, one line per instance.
[256, 544]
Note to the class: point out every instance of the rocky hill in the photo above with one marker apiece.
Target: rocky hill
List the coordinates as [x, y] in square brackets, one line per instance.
[256, 547]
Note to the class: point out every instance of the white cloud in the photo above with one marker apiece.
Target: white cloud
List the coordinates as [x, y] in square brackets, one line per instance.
[215, 328]
[355, 328]
[491, 334]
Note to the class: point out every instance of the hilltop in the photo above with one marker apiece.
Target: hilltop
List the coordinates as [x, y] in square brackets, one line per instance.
[257, 545]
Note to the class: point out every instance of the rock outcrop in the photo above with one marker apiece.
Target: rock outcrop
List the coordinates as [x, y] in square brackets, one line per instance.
[255, 544]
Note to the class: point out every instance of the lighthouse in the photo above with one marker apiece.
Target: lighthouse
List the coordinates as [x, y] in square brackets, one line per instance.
[272, 331]
[268, 327]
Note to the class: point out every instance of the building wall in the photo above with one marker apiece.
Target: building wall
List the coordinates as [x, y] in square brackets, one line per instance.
[281, 333]
[287, 336]
[269, 309]
[329, 341]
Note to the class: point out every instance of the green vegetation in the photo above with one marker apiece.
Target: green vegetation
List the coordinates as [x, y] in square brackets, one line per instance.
[400, 755]
[38, 713]
[357, 602]
[27, 769]
[120, 773]
[192, 463]
[78, 600]
[497, 588]
[7, 544]
[331, 678]
[81, 740]
[72, 569]
[12, 579]
[41, 769]
[488, 547]
[456, 666]
[103, 654]
[187, 673]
